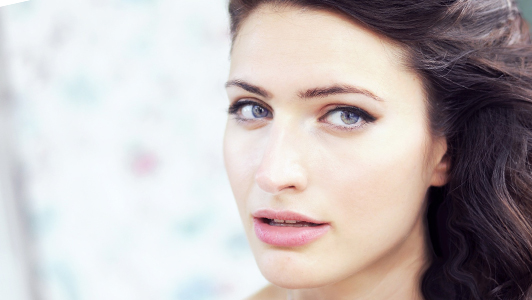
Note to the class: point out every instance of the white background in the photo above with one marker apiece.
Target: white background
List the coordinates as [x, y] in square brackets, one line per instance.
[118, 113]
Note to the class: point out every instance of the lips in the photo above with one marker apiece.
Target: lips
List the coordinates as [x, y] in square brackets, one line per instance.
[287, 228]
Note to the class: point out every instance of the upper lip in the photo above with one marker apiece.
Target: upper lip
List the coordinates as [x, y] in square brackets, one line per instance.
[284, 215]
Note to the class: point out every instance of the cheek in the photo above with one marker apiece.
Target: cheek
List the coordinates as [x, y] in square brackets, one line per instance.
[376, 188]
[241, 159]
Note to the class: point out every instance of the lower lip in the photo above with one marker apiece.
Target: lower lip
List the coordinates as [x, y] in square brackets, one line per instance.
[286, 236]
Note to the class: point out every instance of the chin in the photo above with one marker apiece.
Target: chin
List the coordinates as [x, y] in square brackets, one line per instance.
[292, 270]
[293, 281]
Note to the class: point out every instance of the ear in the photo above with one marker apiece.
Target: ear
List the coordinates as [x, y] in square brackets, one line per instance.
[440, 172]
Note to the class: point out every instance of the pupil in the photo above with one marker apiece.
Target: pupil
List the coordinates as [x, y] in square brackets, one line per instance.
[349, 117]
[259, 112]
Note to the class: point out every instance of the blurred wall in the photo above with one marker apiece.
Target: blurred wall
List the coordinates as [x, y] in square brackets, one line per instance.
[16, 281]
[113, 112]
[118, 114]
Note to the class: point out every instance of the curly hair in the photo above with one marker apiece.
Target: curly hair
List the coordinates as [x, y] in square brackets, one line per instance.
[475, 59]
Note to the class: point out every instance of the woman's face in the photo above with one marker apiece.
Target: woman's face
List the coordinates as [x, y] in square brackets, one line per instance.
[327, 126]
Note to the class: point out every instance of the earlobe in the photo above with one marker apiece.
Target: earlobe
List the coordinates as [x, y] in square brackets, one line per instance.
[440, 174]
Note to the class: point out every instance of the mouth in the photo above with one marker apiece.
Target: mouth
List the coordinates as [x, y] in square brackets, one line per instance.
[287, 229]
[287, 223]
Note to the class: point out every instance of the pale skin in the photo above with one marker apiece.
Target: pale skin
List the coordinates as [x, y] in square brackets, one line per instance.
[365, 174]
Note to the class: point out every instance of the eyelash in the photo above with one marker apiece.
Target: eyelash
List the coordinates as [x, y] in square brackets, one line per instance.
[235, 107]
[366, 117]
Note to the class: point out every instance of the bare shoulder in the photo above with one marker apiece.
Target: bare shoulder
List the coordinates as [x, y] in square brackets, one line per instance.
[269, 292]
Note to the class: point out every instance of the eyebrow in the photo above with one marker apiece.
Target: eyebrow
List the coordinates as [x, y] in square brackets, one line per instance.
[248, 87]
[320, 92]
[335, 90]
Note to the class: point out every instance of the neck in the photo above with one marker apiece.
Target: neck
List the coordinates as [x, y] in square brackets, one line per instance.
[396, 276]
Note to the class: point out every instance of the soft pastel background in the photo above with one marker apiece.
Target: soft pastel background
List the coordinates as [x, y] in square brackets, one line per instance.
[117, 110]
[112, 183]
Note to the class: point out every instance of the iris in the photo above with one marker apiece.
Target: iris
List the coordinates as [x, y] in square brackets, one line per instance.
[349, 117]
[259, 111]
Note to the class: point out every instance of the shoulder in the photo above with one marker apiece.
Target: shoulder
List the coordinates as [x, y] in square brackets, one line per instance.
[269, 292]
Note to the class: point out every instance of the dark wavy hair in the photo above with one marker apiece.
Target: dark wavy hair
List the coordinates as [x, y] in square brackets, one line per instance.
[475, 59]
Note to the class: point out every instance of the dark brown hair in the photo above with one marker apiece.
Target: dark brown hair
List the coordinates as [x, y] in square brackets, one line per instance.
[475, 57]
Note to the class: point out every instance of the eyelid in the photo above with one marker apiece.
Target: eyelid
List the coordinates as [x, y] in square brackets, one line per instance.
[366, 117]
[237, 105]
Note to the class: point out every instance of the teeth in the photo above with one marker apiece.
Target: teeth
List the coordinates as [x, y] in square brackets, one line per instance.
[290, 223]
[285, 221]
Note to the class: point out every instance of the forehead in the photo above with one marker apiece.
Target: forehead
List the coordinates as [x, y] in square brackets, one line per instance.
[318, 45]
[322, 30]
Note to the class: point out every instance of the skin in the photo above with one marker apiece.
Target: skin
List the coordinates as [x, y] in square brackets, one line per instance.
[369, 183]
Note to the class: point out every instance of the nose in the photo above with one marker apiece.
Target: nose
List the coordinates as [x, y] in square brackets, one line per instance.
[281, 167]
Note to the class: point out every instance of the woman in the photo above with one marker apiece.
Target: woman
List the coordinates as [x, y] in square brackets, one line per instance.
[382, 149]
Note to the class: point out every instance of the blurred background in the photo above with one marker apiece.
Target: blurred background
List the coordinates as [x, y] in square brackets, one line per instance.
[112, 184]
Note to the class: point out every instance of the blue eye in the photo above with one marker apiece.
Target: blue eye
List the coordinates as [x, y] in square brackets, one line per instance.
[340, 117]
[249, 110]
[347, 118]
